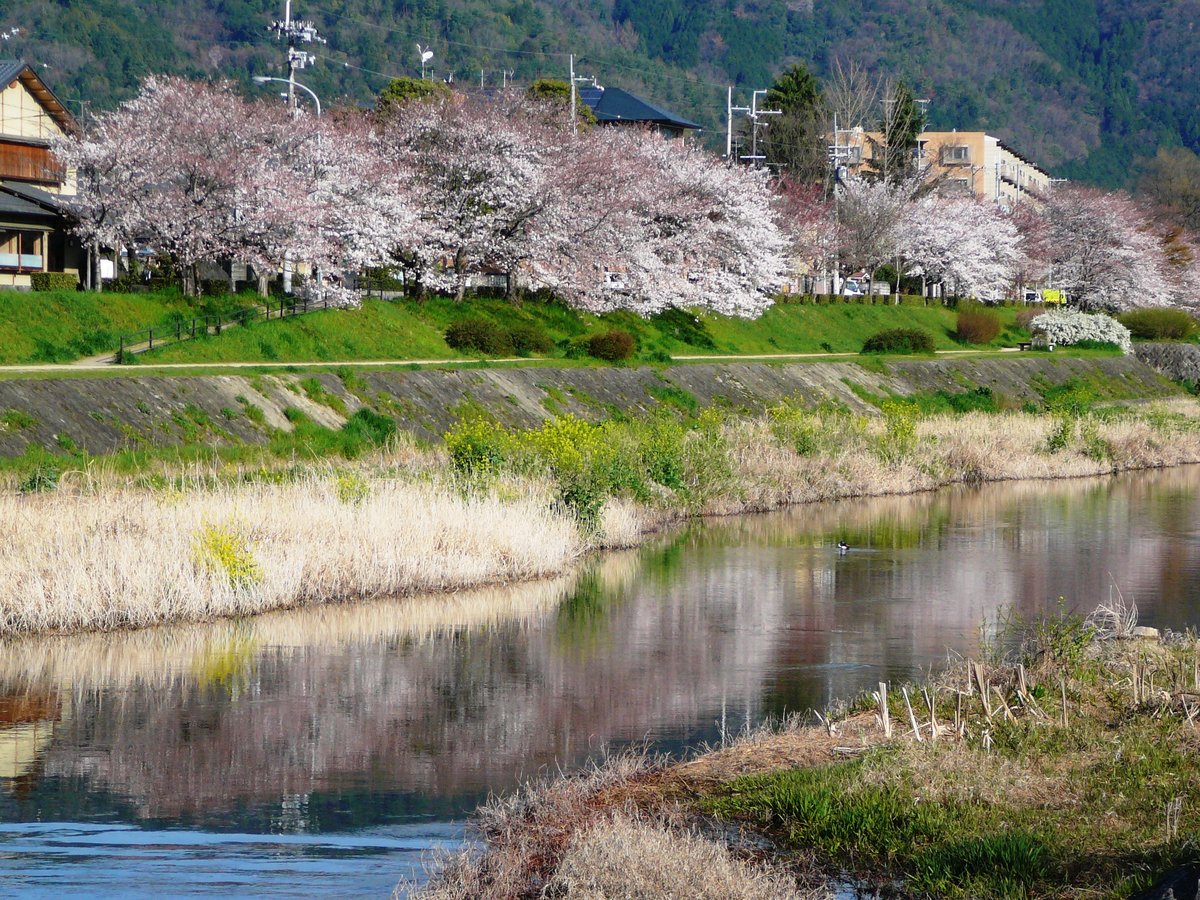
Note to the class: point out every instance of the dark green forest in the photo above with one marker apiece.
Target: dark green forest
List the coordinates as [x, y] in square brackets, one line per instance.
[1086, 87]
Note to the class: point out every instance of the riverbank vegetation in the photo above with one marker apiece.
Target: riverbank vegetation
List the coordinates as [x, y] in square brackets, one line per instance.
[45, 327]
[1063, 765]
[134, 540]
[411, 330]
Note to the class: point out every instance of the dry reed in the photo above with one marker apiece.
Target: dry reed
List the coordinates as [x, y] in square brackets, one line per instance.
[99, 557]
[133, 558]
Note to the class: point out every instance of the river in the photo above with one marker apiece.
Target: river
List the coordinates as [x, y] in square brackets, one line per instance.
[332, 751]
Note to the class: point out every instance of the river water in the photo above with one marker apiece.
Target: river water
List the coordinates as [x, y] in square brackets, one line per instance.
[329, 752]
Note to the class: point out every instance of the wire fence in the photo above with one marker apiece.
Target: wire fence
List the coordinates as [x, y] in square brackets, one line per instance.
[137, 342]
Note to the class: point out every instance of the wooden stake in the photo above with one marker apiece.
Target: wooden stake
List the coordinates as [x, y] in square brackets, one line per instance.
[1022, 688]
[912, 718]
[933, 725]
[884, 719]
[958, 722]
[1063, 684]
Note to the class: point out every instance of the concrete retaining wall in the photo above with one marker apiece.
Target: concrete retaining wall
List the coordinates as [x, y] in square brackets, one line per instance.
[1178, 361]
[103, 415]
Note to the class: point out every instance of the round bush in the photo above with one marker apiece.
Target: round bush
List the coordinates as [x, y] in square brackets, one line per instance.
[977, 326]
[1159, 324]
[480, 335]
[526, 339]
[612, 345]
[1070, 327]
[899, 340]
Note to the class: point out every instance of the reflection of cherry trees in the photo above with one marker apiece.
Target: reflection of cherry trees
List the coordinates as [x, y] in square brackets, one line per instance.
[733, 620]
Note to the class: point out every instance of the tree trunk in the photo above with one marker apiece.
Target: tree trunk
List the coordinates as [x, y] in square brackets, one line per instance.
[97, 269]
[513, 288]
[188, 273]
[460, 270]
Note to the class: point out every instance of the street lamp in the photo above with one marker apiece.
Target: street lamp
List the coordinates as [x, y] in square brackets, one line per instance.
[287, 263]
[263, 79]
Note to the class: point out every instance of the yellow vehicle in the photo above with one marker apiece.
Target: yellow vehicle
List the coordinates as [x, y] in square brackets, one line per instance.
[1049, 295]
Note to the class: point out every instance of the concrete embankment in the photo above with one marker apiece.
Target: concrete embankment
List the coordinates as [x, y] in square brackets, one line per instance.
[103, 415]
[1178, 361]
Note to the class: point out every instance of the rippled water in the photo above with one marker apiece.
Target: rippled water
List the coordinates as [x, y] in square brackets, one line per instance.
[327, 751]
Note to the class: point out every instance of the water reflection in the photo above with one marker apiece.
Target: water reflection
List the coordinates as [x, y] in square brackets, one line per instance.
[378, 719]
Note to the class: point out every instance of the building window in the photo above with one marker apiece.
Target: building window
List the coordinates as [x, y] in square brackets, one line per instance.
[955, 186]
[958, 153]
[20, 250]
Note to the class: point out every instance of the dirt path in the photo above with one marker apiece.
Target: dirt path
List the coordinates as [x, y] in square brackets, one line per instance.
[106, 362]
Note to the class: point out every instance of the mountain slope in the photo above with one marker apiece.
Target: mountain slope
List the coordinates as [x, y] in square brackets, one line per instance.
[1083, 86]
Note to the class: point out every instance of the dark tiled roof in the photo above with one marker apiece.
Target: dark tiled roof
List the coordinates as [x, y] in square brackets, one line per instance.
[615, 105]
[26, 200]
[9, 69]
[51, 202]
[12, 206]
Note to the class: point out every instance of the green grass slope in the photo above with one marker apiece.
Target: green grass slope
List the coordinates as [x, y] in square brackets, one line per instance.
[62, 326]
[408, 330]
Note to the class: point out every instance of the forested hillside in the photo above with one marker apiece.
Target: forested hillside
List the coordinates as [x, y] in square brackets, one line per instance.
[1086, 87]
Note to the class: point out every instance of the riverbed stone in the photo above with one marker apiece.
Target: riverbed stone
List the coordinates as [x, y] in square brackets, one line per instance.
[1181, 883]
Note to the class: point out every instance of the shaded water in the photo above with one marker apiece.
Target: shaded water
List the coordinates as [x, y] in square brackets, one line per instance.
[325, 751]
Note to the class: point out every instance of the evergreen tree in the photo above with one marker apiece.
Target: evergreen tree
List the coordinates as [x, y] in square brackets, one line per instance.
[795, 140]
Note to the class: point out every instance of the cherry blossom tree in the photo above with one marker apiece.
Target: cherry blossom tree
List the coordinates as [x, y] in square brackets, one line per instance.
[478, 174]
[169, 168]
[966, 243]
[653, 223]
[1102, 251]
[871, 219]
[810, 224]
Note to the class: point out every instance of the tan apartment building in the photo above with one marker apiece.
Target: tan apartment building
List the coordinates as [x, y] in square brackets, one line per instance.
[970, 162]
[34, 219]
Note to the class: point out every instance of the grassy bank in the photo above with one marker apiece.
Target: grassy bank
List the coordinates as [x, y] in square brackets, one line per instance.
[408, 330]
[1066, 767]
[62, 326]
[140, 539]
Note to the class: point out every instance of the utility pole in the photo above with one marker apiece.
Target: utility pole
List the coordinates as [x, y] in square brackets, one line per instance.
[754, 114]
[574, 94]
[575, 80]
[294, 32]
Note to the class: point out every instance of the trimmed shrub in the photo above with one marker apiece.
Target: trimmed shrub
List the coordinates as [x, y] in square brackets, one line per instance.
[479, 335]
[899, 340]
[977, 326]
[1067, 326]
[214, 287]
[54, 281]
[612, 345]
[527, 339]
[1159, 324]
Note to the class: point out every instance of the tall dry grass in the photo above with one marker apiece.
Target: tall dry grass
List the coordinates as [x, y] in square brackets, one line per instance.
[127, 558]
[582, 835]
[632, 857]
[100, 556]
